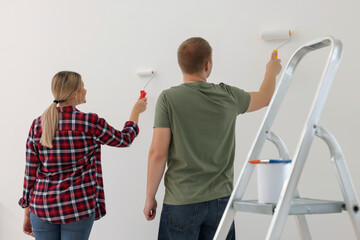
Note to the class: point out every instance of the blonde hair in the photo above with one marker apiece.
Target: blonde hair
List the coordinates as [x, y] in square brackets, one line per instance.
[63, 85]
[193, 53]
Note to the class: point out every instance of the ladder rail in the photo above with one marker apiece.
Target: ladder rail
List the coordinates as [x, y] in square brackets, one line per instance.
[343, 176]
[279, 144]
[301, 153]
[275, 103]
[301, 222]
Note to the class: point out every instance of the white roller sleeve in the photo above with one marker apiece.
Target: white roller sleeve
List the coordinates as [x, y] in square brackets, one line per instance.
[275, 34]
[145, 72]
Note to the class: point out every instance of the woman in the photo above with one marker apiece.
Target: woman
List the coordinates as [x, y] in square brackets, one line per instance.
[63, 186]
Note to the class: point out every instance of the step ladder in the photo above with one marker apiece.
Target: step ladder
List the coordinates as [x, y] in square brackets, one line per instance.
[289, 202]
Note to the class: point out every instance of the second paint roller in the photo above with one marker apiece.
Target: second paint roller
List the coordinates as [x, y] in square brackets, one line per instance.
[276, 35]
[145, 73]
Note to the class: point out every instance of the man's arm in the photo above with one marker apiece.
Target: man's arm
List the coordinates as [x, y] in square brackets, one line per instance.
[262, 98]
[156, 166]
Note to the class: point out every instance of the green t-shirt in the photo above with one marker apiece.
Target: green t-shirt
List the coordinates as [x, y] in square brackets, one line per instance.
[202, 119]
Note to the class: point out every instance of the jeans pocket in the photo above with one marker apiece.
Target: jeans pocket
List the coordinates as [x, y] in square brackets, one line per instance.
[222, 203]
[182, 217]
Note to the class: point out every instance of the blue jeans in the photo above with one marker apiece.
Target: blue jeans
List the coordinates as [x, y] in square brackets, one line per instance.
[193, 221]
[78, 230]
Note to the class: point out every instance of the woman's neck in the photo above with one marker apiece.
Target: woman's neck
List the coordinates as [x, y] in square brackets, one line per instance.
[67, 104]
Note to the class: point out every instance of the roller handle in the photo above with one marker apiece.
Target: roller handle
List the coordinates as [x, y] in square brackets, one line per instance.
[276, 53]
[142, 94]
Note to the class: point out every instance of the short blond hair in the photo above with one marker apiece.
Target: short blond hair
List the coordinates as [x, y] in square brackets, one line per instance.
[193, 54]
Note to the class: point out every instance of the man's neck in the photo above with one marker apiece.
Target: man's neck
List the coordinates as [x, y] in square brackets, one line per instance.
[191, 78]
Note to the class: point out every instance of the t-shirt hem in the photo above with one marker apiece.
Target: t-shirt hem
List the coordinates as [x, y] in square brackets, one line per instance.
[161, 126]
[191, 201]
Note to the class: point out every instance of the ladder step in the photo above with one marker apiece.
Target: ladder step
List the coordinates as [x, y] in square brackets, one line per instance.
[299, 206]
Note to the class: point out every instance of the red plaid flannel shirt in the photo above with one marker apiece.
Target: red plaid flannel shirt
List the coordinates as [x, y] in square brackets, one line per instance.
[64, 184]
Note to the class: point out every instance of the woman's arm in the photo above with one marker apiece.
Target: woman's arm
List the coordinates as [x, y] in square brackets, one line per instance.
[106, 134]
[139, 107]
[27, 227]
[32, 164]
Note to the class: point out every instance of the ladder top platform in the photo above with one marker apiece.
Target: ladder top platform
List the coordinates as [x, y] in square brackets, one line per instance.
[299, 206]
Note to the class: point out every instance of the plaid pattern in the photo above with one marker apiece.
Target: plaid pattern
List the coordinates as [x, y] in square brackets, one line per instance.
[64, 184]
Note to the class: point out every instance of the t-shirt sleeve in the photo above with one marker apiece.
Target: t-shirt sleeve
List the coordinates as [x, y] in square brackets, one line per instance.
[242, 99]
[162, 112]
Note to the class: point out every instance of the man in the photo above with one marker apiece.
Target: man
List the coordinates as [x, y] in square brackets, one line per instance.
[194, 133]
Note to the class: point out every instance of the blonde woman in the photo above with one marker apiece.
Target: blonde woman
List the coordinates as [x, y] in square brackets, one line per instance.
[63, 187]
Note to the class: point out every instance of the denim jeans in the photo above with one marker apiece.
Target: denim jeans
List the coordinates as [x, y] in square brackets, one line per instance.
[193, 221]
[78, 230]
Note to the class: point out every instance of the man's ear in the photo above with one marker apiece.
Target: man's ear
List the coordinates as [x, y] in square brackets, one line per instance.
[206, 66]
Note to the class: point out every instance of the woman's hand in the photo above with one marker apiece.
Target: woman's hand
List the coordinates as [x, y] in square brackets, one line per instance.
[139, 107]
[27, 227]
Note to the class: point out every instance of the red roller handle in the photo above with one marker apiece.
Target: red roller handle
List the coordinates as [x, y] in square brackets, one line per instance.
[142, 94]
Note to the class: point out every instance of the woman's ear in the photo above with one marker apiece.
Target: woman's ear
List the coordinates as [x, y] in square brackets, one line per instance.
[73, 96]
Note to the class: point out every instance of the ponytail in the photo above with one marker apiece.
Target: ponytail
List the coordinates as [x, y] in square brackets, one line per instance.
[64, 84]
[49, 125]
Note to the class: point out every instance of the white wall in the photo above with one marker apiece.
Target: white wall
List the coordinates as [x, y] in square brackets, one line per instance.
[107, 41]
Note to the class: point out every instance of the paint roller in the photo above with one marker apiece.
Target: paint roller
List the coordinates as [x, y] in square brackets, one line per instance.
[145, 73]
[277, 35]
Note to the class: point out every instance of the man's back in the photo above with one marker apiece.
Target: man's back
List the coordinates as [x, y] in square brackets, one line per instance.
[194, 132]
[202, 119]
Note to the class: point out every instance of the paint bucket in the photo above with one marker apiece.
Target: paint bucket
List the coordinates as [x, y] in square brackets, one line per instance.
[271, 178]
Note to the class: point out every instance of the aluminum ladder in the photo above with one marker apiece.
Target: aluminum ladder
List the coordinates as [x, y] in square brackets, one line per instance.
[289, 202]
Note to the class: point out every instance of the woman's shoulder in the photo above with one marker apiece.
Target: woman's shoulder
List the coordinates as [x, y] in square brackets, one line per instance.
[36, 126]
[87, 116]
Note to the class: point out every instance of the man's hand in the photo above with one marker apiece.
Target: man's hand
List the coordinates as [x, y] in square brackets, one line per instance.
[150, 209]
[273, 67]
[262, 97]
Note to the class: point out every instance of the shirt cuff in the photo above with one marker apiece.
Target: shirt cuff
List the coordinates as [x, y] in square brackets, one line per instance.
[134, 125]
[23, 203]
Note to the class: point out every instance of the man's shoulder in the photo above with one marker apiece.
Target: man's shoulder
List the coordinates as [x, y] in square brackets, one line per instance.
[172, 90]
[230, 88]
[175, 88]
[225, 85]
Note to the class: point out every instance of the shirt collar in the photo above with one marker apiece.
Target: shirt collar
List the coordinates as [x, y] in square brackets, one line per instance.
[67, 109]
